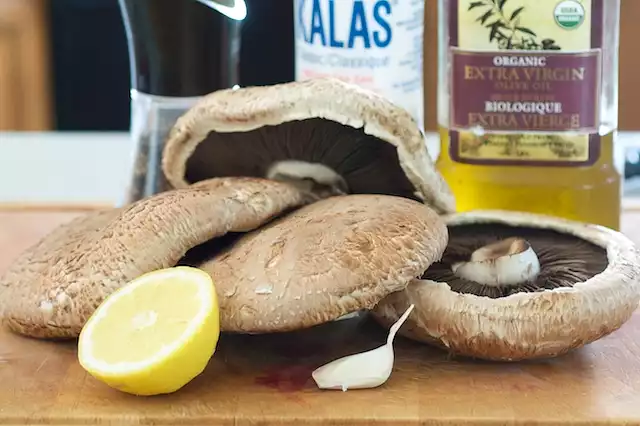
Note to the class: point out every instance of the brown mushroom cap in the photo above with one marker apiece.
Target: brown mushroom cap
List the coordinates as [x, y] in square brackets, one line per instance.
[333, 257]
[543, 323]
[53, 287]
[328, 131]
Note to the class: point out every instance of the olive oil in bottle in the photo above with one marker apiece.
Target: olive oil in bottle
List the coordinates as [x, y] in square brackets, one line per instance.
[527, 106]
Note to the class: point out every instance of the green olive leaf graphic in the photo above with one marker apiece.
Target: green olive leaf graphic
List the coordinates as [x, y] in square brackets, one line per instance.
[495, 31]
[486, 16]
[505, 29]
[526, 30]
[516, 12]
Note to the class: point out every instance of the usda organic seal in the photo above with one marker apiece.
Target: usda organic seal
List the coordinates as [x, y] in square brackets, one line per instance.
[569, 14]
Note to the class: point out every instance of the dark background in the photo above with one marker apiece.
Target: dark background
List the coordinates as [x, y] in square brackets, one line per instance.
[89, 44]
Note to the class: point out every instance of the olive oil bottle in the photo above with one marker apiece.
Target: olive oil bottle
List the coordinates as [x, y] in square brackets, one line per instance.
[527, 106]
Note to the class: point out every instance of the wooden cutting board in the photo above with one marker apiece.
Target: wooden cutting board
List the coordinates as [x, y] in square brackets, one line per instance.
[265, 380]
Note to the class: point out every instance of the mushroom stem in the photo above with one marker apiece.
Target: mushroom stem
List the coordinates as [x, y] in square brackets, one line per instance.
[505, 263]
[314, 178]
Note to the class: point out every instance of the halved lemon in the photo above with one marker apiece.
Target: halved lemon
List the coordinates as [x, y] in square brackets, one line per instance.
[155, 334]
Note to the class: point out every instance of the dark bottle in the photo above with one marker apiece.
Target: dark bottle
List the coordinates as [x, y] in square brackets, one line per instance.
[179, 51]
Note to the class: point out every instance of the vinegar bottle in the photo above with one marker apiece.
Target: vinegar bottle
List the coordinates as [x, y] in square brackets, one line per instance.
[179, 50]
[527, 106]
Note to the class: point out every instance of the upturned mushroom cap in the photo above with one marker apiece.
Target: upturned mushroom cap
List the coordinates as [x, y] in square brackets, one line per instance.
[324, 260]
[525, 324]
[53, 287]
[320, 133]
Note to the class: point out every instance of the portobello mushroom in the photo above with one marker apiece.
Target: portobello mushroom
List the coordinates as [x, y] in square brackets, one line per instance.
[513, 286]
[333, 257]
[327, 136]
[52, 288]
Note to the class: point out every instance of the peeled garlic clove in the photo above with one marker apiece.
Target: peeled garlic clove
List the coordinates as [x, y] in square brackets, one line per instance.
[348, 316]
[363, 370]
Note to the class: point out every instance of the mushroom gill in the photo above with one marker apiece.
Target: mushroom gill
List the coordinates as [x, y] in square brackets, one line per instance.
[326, 136]
[564, 260]
[323, 156]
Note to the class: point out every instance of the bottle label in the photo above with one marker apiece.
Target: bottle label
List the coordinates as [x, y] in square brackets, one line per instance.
[376, 44]
[525, 81]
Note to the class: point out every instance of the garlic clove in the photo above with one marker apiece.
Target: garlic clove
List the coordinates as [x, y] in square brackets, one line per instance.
[360, 371]
[509, 262]
[363, 370]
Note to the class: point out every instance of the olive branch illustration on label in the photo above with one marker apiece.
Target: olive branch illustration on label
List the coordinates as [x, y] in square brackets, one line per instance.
[506, 29]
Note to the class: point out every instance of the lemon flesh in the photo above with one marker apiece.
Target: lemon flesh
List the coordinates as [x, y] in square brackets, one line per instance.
[155, 334]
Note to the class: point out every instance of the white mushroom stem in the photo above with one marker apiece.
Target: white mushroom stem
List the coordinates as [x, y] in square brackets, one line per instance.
[505, 263]
[307, 176]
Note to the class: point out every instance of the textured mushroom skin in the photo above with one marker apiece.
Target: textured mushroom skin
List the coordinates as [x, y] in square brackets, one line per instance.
[246, 109]
[523, 325]
[324, 260]
[53, 287]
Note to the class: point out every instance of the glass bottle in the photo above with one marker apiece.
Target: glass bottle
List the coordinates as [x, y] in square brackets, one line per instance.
[179, 51]
[528, 106]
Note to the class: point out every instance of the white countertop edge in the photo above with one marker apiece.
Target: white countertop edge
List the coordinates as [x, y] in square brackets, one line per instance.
[92, 168]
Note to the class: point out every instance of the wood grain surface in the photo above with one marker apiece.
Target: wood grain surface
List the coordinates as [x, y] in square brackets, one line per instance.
[26, 96]
[265, 380]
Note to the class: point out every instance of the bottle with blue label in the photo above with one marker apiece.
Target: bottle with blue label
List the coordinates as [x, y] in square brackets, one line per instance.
[376, 44]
